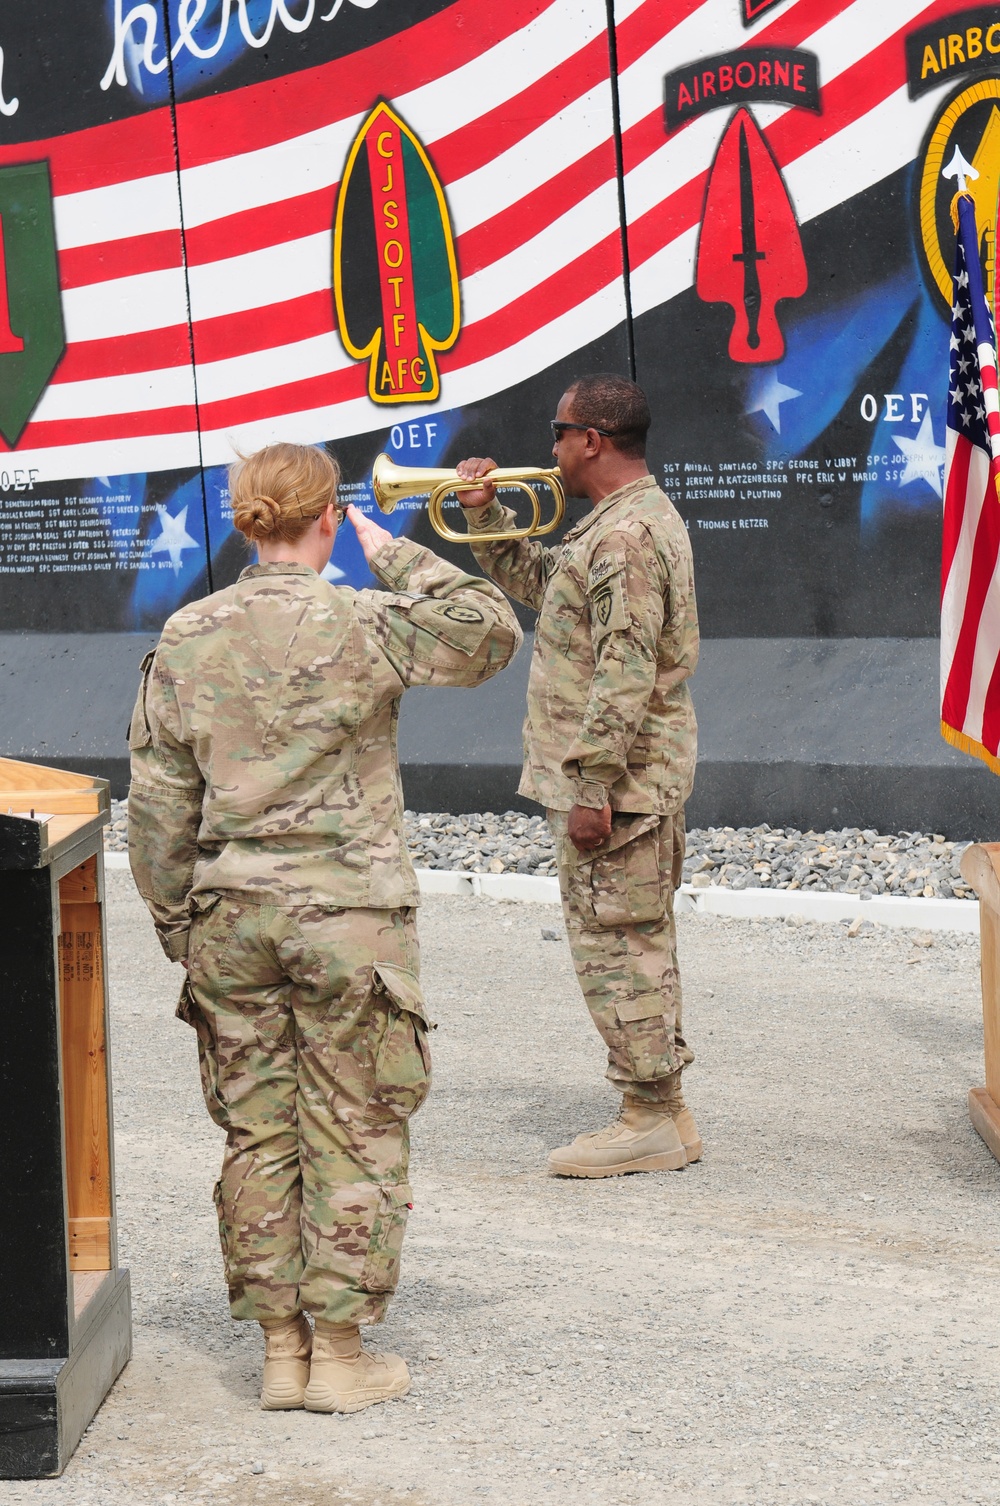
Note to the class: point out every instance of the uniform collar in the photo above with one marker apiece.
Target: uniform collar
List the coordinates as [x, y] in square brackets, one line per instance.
[276, 567]
[624, 494]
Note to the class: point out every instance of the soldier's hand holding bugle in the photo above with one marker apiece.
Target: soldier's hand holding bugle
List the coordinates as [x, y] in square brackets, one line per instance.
[472, 470]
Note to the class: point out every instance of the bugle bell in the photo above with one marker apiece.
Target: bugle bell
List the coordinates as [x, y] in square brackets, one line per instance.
[392, 482]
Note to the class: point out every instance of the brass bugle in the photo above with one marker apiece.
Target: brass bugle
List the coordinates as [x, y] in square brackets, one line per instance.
[392, 482]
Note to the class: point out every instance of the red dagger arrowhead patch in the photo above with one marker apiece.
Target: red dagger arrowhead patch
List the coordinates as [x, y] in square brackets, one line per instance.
[750, 251]
[395, 277]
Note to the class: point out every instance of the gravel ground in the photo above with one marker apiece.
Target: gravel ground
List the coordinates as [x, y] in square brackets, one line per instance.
[849, 861]
[811, 1314]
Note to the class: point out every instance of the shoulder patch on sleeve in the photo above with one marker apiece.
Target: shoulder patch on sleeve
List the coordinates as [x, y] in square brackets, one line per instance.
[458, 613]
[607, 594]
[460, 626]
[609, 607]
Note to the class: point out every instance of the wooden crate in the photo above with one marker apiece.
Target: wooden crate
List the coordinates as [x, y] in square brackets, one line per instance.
[981, 868]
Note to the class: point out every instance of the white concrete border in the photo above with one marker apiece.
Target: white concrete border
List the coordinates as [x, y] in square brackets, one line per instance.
[741, 904]
[829, 905]
[522, 886]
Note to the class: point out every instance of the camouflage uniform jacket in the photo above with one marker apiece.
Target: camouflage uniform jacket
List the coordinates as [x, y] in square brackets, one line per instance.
[609, 709]
[264, 734]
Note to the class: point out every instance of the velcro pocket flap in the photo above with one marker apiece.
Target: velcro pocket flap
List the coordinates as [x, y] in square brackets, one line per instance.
[398, 1194]
[622, 832]
[139, 735]
[646, 1007]
[462, 625]
[627, 831]
[186, 1007]
[403, 989]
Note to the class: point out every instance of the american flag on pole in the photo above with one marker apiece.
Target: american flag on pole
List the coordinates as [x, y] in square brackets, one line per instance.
[970, 554]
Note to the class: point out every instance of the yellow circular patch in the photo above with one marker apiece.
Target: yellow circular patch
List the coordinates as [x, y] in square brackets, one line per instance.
[969, 120]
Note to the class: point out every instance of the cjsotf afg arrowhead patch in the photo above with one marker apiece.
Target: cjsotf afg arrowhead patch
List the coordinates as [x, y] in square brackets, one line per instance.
[32, 337]
[395, 277]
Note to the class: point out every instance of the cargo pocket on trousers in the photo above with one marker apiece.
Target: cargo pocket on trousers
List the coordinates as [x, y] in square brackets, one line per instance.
[626, 887]
[647, 1036]
[381, 1269]
[398, 1048]
[208, 1060]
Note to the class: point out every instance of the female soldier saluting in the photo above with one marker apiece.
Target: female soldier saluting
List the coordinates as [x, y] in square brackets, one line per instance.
[266, 837]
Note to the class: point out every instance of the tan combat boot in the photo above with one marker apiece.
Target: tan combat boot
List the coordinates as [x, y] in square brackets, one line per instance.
[287, 1343]
[346, 1378]
[642, 1138]
[684, 1120]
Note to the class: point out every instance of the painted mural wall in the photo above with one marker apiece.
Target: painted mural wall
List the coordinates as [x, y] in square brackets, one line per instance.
[791, 247]
[404, 225]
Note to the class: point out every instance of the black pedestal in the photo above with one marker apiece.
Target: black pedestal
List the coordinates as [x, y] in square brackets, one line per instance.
[65, 1314]
[46, 1405]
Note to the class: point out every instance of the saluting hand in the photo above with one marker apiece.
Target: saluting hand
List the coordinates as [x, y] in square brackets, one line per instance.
[471, 470]
[370, 536]
[588, 828]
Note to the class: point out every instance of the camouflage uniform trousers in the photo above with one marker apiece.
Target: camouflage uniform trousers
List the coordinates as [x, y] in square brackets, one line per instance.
[619, 912]
[313, 1047]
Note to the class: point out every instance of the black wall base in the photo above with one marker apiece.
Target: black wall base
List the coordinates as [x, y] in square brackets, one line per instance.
[47, 1405]
[806, 732]
[958, 803]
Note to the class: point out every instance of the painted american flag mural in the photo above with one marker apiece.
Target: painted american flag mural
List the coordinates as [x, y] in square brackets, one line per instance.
[737, 198]
[524, 147]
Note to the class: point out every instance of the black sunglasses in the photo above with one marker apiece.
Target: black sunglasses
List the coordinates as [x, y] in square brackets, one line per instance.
[557, 426]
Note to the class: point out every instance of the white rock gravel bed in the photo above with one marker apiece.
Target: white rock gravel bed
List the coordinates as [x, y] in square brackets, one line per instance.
[810, 1315]
[851, 861]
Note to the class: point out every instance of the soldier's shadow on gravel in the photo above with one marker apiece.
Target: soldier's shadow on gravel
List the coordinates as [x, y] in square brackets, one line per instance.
[564, 1116]
[455, 1128]
[942, 1035]
[959, 1155]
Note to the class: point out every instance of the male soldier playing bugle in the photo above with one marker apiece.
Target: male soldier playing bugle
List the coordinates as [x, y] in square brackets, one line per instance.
[610, 740]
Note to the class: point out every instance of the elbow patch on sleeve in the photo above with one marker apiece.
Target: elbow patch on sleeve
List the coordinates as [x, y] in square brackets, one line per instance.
[458, 624]
[608, 596]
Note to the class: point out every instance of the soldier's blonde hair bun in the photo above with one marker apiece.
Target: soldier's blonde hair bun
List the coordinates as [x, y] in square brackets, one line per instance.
[279, 491]
[259, 517]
